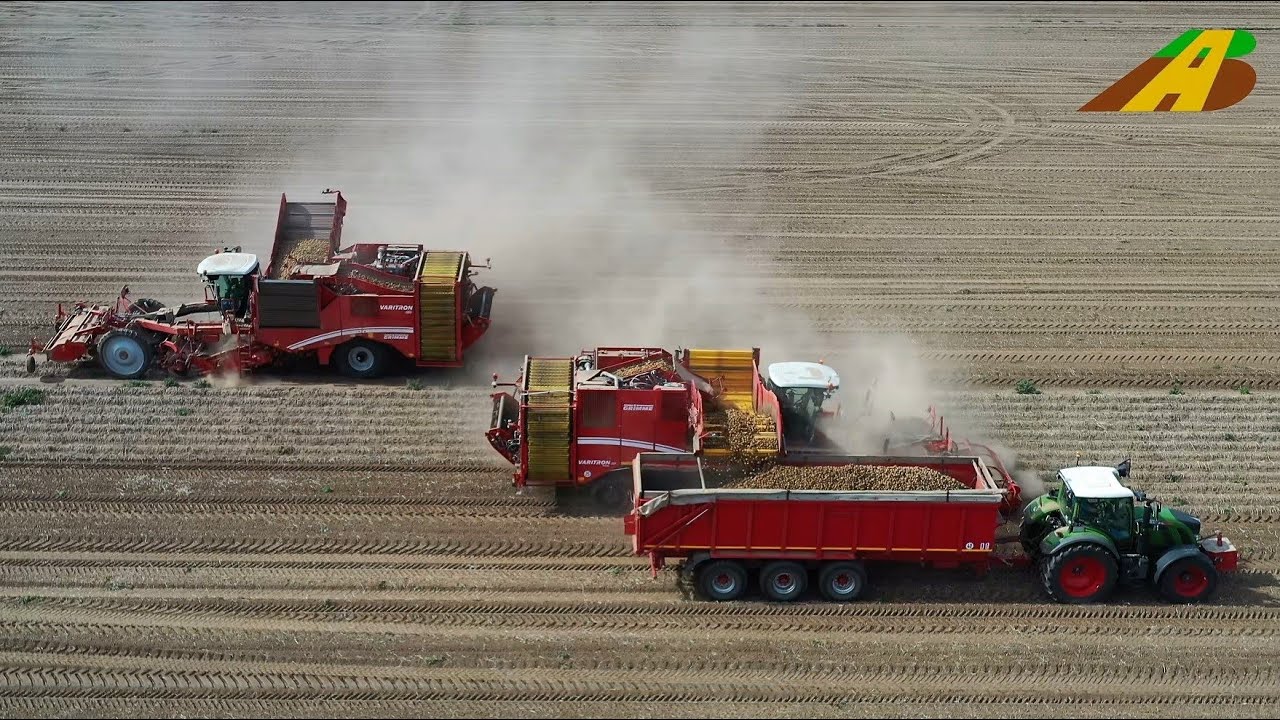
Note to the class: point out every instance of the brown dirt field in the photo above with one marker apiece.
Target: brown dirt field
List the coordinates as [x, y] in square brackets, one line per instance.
[305, 546]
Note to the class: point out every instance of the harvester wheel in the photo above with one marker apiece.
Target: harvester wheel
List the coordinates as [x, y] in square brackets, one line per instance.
[1188, 580]
[783, 581]
[1079, 574]
[31, 364]
[612, 494]
[361, 359]
[722, 580]
[842, 581]
[125, 353]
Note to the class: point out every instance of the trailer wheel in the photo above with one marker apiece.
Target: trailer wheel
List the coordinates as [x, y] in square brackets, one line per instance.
[783, 581]
[722, 580]
[1188, 580]
[124, 353]
[361, 359]
[842, 581]
[1079, 574]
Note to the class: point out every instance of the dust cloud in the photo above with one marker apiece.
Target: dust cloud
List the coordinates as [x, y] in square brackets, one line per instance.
[581, 160]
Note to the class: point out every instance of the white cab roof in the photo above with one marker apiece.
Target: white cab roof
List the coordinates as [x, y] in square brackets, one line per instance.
[1094, 482]
[228, 264]
[803, 374]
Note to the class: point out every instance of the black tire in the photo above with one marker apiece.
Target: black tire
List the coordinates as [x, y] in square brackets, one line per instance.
[124, 353]
[612, 494]
[842, 581]
[1190, 579]
[1079, 574]
[147, 305]
[361, 359]
[1029, 536]
[722, 580]
[783, 581]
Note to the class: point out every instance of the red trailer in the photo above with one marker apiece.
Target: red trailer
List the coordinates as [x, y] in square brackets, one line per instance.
[792, 539]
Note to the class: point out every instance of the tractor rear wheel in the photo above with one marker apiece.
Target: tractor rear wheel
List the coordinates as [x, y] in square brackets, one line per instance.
[362, 359]
[722, 580]
[783, 581]
[125, 353]
[842, 581]
[1189, 579]
[1079, 574]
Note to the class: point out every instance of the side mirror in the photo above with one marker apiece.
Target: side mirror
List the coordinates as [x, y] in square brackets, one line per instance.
[1123, 468]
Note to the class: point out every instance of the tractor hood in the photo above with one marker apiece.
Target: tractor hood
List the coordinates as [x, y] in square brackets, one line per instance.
[1191, 521]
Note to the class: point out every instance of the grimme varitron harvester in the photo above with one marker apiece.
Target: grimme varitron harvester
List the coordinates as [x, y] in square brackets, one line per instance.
[578, 422]
[357, 308]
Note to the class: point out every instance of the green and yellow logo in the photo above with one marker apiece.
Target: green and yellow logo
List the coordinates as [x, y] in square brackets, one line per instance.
[1193, 73]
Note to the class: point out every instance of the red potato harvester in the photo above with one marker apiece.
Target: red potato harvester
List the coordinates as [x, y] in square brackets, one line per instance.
[358, 309]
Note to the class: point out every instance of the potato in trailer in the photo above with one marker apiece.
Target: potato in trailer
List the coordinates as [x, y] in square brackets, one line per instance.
[1086, 538]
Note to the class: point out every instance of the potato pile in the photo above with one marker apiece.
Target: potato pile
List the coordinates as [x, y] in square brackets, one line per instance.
[313, 251]
[395, 283]
[641, 368]
[755, 431]
[847, 477]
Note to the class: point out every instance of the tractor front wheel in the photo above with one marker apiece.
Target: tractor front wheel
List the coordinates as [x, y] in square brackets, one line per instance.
[362, 359]
[125, 353]
[1189, 579]
[1079, 574]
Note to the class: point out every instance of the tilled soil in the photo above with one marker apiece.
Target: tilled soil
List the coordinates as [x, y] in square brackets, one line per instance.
[309, 548]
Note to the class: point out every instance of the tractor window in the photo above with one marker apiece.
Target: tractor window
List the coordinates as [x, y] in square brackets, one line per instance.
[1112, 516]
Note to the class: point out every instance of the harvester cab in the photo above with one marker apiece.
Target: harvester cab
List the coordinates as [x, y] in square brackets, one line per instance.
[228, 277]
[1095, 532]
[802, 388]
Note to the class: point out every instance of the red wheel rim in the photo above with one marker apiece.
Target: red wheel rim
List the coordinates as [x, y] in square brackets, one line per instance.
[1082, 577]
[1191, 581]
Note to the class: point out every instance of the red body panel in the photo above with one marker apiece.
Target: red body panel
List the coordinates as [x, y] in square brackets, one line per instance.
[939, 529]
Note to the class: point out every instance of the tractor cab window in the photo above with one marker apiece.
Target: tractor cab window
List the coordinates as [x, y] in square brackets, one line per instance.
[1113, 516]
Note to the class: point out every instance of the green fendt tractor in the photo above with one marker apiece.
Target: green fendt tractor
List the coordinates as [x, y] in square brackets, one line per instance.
[1094, 533]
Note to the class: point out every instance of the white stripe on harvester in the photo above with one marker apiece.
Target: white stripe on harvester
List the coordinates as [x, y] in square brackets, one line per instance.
[629, 443]
[350, 331]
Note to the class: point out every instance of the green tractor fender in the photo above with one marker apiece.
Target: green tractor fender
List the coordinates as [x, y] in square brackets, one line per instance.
[1063, 538]
[1171, 556]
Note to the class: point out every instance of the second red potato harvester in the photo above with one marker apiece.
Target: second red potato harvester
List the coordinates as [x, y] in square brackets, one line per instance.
[578, 422]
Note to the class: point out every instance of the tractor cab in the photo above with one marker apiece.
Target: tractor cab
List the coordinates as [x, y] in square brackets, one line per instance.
[801, 389]
[229, 276]
[1093, 497]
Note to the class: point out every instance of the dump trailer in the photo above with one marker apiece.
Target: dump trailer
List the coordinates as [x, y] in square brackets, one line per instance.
[359, 309]
[785, 542]
[578, 422]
